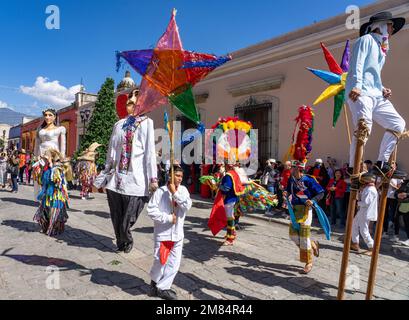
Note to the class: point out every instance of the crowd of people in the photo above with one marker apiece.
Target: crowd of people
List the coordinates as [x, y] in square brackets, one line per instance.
[336, 182]
[16, 168]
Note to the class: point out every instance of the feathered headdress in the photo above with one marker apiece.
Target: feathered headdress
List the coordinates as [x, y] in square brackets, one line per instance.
[302, 136]
[235, 142]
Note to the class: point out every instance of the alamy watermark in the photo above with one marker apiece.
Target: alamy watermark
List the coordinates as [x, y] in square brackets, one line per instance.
[52, 21]
[353, 20]
[53, 280]
[353, 278]
[210, 147]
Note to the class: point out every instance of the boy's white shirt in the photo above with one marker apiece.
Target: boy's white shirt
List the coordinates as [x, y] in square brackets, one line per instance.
[160, 210]
[368, 203]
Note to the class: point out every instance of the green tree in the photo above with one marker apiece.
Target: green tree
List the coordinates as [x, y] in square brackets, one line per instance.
[102, 121]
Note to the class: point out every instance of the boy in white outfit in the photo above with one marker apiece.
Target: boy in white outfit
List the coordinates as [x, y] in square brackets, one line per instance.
[168, 233]
[368, 211]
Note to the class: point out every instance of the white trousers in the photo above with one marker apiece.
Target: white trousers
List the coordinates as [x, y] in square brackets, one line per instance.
[361, 225]
[164, 275]
[382, 112]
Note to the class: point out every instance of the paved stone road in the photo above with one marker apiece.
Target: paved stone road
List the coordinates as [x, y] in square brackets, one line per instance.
[263, 264]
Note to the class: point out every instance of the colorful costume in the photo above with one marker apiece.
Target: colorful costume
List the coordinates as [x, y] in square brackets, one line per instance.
[301, 190]
[87, 170]
[53, 197]
[237, 194]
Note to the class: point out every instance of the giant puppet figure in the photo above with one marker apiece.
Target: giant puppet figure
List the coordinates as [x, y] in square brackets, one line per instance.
[131, 171]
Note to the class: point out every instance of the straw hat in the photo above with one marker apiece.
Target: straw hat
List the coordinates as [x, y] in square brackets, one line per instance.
[89, 154]
[368, 178]
[65, 160]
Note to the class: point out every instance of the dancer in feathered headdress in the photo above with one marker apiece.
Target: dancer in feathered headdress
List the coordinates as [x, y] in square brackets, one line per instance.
[304, 191]
[236, 193]
[87, 170]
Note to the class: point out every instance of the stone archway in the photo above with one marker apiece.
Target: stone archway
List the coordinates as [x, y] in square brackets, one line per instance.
[263, 112]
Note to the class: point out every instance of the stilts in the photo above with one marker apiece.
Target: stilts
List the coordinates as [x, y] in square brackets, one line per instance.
[361, 134]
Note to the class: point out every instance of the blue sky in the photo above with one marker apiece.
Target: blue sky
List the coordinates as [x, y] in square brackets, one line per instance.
[91, 31]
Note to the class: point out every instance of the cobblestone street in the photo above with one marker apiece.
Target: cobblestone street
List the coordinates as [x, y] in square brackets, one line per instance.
[262, 265]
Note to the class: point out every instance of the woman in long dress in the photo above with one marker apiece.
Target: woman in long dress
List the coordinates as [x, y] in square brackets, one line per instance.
[49, 181]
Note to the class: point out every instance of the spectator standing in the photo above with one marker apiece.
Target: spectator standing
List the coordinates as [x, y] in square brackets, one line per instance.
[391, 205]
[3, 169]
[14, 170]
[402, 211]
[336, 197]
[22, 165]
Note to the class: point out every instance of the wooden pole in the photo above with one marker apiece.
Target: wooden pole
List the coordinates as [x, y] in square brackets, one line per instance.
[172, 154]
[351, 208]
[378, 233]
[347, 124]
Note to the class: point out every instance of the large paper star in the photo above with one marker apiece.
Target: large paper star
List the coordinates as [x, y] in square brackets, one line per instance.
[336, 78]
[169, 73]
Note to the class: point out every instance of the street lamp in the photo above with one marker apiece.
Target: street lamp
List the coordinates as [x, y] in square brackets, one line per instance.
[84, 118]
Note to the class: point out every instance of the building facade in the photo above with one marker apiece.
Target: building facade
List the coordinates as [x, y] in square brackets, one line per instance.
[14, 136]
[266, 84]
[4, 134]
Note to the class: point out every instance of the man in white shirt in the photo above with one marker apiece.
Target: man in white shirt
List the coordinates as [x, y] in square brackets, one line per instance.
[131, 171]
[368, 211]
[167, 208]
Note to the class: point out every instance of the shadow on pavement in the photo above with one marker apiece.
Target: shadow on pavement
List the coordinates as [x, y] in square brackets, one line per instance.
[71, 236]
[101, 214]
[126, 282]
[181, 282]
[23, 202]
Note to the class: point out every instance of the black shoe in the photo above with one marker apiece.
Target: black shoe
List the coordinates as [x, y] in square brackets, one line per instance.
[384, 168]
[120, 247]
[167, 294]
[128, 247]
[153, 291]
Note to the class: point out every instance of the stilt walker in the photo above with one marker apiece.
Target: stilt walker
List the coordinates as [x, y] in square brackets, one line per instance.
[368, 100]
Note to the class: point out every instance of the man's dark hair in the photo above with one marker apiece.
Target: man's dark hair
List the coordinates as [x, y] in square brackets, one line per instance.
[177, 168]
[368, 162]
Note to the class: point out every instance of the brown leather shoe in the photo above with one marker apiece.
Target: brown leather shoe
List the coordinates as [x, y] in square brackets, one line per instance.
[355, 247]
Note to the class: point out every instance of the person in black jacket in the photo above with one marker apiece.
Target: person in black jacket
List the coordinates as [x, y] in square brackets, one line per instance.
[402, 194]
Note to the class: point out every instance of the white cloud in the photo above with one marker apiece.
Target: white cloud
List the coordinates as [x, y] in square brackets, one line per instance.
[5, 105]
[51, 92]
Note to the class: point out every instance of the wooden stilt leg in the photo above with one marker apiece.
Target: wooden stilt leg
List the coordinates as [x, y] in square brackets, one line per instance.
[347, 124]
[362, 135]
[378, 233]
